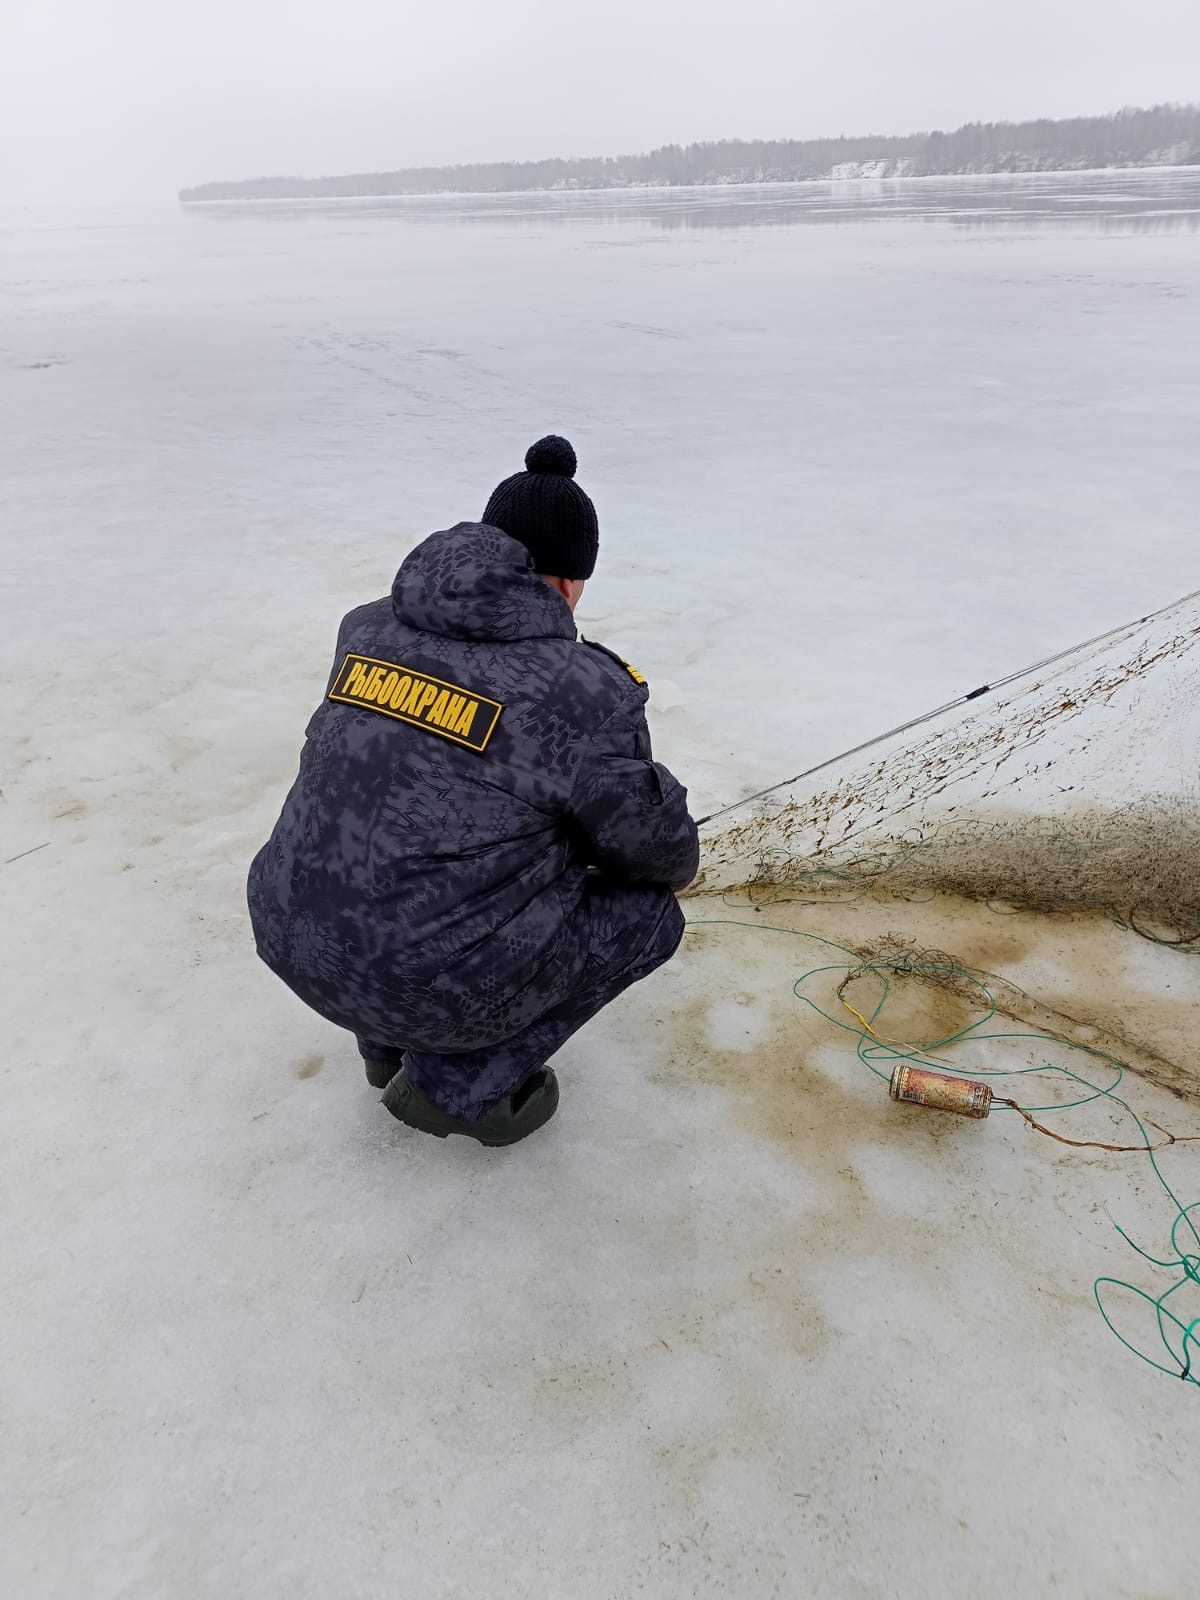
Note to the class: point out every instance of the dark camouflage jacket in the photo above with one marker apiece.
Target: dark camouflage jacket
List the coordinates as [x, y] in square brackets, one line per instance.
[471, 760]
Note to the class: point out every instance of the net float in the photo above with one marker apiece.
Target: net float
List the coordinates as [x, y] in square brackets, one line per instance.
[917, 1086]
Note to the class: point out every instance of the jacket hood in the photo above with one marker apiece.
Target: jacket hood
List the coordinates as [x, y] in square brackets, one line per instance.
[475, 582]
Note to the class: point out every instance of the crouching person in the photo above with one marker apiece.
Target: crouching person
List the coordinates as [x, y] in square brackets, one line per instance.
[479, 850]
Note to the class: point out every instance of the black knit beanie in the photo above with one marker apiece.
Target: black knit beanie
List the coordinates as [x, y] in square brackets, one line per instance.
[548, 512]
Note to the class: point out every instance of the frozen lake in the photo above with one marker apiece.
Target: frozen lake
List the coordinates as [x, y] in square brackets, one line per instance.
[901, 436]
[734, 1325]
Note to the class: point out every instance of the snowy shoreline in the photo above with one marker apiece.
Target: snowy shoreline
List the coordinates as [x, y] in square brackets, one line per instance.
[829, 180]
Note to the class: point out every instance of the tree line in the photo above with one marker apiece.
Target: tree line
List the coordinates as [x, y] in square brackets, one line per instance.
[1166, 135]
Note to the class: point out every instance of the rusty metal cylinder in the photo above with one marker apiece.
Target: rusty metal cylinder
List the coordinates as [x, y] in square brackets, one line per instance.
[918, 1086]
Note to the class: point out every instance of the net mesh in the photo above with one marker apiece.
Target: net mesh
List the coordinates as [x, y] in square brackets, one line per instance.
[1072, 790]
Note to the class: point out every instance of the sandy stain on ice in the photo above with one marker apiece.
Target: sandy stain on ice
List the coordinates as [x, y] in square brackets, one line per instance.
[761, 1310]
[749, 1307]
[1091, 989]
[779, 1090]
[1077, 976]
[183, 750]
[998, 940]
[310, 1066]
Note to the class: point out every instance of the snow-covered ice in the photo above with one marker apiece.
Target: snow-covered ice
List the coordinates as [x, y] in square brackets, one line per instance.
[734, 1324]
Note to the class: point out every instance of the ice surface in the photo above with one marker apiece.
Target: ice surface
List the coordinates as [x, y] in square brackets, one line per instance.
[853, 453]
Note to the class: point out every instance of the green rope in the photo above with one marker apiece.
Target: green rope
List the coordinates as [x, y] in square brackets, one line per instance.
[1184, 1352]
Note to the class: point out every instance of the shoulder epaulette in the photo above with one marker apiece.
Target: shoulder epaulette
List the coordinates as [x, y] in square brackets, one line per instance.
[620, 660]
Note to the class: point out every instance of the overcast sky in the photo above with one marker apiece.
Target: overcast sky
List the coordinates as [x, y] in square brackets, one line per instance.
[131, 99]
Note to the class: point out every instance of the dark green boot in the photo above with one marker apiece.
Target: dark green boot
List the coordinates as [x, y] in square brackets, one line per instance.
[379, 1073]
[515, 1117]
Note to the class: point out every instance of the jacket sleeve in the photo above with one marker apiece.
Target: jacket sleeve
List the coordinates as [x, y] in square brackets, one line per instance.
[630, 810]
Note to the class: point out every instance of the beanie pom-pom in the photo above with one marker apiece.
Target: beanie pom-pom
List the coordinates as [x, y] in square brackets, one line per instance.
[553, 456]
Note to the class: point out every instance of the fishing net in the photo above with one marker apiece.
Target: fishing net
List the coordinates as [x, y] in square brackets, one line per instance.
[1068, 788]
[1071, 786]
